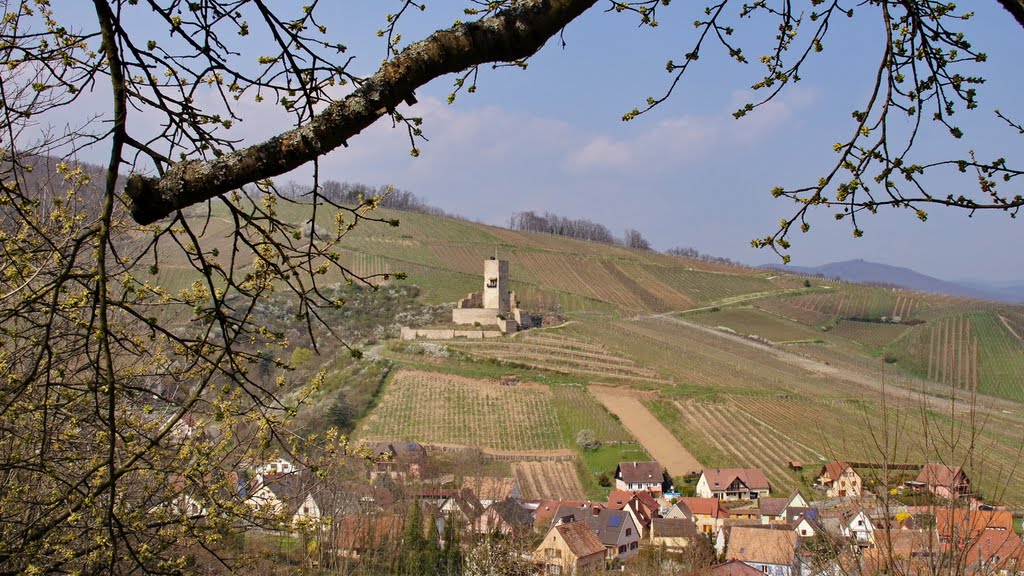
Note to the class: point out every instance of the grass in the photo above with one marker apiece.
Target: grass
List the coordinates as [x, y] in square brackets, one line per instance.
[607, 458]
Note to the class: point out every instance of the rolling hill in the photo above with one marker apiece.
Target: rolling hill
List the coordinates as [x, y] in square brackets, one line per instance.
[742, 366]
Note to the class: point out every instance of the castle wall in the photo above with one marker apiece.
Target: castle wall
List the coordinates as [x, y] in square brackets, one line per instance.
[430, 334]
[485, 316]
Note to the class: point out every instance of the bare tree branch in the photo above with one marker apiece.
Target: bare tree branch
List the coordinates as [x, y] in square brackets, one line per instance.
[512, 34]
[1016, 8]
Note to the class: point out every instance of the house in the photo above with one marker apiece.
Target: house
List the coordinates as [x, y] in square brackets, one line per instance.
[276, 493]
[803, 521]
[996, 551]
[569, 549]
[544, 513]
[641, 505]
[773, 510]
[944, 481]
[673, 533]
[857, 526]
[649, 476]
[707, 513]
[358, 534]
[397, 460]
[506, 517]
[614, 528]
[902, 551]
[840, 480]
[962, 526]
[277, 466]
[490, 489]
[463, 506]
[770, 551]
[732, 483]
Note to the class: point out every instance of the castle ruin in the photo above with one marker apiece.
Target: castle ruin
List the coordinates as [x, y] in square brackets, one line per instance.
[495, 305]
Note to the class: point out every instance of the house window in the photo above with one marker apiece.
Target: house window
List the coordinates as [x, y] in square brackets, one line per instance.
[860, 522]
[554, 553]
[629, 531]
[553, 569]
[764, 569]
[634, 545]
[803, 532]
[492, 282]
[622, 549]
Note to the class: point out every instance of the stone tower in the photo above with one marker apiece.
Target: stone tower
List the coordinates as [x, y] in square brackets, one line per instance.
[496, 285]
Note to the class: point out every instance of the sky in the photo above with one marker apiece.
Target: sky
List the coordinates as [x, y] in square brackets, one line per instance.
[551, 138]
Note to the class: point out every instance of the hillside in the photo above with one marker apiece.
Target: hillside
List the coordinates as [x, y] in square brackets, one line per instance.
[731, 365]
[862, 271]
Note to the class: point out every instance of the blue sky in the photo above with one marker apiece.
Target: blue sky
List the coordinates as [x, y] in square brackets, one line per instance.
[687, 174]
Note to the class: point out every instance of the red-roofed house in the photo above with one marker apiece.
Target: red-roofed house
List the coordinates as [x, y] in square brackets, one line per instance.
[962, 526]
[707, 513]
[996, 552]
[641, 505]
[732, 484]
[945, 481]
[840, 480]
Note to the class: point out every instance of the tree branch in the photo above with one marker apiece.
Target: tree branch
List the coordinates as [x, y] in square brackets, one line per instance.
[512, 34]
[1015, 8]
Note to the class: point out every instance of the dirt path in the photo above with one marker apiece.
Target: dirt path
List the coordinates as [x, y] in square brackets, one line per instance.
[1007, 324]
[655, 438]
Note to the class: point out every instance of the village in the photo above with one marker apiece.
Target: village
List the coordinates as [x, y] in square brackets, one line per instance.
[730, 522]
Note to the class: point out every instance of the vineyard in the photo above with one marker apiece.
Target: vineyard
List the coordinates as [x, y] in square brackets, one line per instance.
[577, 410]
[856, 301]
[748, 441]
[749, 320]
[437, 408]
[871, 334]
[560, 354]
[549, 480]
[978, 351]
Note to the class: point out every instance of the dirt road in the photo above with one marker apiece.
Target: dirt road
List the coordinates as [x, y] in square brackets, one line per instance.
[655, 438]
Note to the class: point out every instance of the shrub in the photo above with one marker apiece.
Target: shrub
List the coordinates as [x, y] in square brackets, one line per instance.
[587, 440]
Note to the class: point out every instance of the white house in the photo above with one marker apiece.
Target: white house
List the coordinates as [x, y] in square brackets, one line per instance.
[732, 484]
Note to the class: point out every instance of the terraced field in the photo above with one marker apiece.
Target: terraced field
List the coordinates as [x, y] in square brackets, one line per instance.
[549, 480]
[561, 354]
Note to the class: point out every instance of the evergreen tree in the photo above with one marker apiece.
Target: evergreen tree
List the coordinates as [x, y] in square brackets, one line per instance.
[413, 544]
[451, 554]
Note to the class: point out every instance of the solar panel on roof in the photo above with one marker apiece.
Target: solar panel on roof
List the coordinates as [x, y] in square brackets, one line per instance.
[615, 521]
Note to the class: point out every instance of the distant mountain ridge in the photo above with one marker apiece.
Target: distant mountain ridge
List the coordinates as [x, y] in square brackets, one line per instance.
[862, 271]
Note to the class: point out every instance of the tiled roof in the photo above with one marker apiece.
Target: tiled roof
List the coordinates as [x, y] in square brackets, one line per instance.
[962, 524]
[672, 527]
[833, 469]
[361, 532]
[705, 506]
[720, 478]
[580, 539]
[772, 506]
[939, 475]
[640, 472]
[762, 545]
